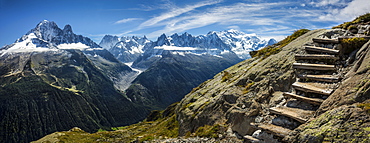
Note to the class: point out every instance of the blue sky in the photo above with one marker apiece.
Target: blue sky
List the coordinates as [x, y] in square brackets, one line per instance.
[95, 18]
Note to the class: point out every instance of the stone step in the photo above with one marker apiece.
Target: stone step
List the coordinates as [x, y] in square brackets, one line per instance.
[272, 129]
[315, 101]
[307, 66]
[315, 57]
[251, 139]
[306, 87]
[321, 50]
[326, 41]
[300, 115]
[325, 78]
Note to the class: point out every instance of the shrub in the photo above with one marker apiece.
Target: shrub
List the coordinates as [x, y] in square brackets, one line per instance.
[351, 44]
[365, 106]
[246, 89]
[226, 76]
[208, 131]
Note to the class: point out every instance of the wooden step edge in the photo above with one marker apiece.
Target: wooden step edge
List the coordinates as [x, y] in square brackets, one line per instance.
[313, 66]
[321, 49]
[320, 40]
[250, 138]
[311, 89]
[273, 129]
[315, 101]
[325, 78]
[291, 113]
[315, 57]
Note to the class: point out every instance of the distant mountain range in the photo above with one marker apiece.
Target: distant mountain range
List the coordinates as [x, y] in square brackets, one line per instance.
[213, 43]
[173, 65]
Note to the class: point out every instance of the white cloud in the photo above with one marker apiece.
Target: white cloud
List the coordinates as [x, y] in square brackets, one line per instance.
[240, 13]
[276, 19]
[126, 20]
[348, 13]
[234, 27]
[176, 12]
[278, 32]
[327, 2]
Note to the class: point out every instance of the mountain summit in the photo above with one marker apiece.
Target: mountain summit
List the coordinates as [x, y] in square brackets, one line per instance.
[241, 43]
[52, 79]
[48, 36]
[125, 49]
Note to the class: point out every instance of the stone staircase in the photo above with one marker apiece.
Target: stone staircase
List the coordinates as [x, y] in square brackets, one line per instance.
[315, 82]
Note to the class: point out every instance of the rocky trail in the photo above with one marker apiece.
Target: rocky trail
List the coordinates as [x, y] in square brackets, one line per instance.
[318, 74]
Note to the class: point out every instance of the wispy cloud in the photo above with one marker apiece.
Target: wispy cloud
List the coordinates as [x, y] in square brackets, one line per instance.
[234, 27]
[351, 11]
[240, 13]
[321, 3]
[263, 18]
[126, 20]
[176, 12]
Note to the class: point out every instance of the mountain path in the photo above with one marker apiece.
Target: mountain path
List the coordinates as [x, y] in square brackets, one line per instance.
[312, 88]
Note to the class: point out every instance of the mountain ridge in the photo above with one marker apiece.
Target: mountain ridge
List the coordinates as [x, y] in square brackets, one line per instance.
[56, 83]
[230, 40]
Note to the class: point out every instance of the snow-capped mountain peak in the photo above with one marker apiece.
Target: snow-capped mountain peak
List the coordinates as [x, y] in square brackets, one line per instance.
[46, 30]
[109, 41]
[242, 43]
[48, 36]
[164, 40]
[126, 48]
[67, 30]
[234, 43]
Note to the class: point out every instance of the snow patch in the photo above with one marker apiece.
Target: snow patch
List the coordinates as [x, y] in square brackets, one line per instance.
[178, 53]
[139, 71]
[26, 45]
[78, 46]
[225, 52]
[175, 48]
[135, 50]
